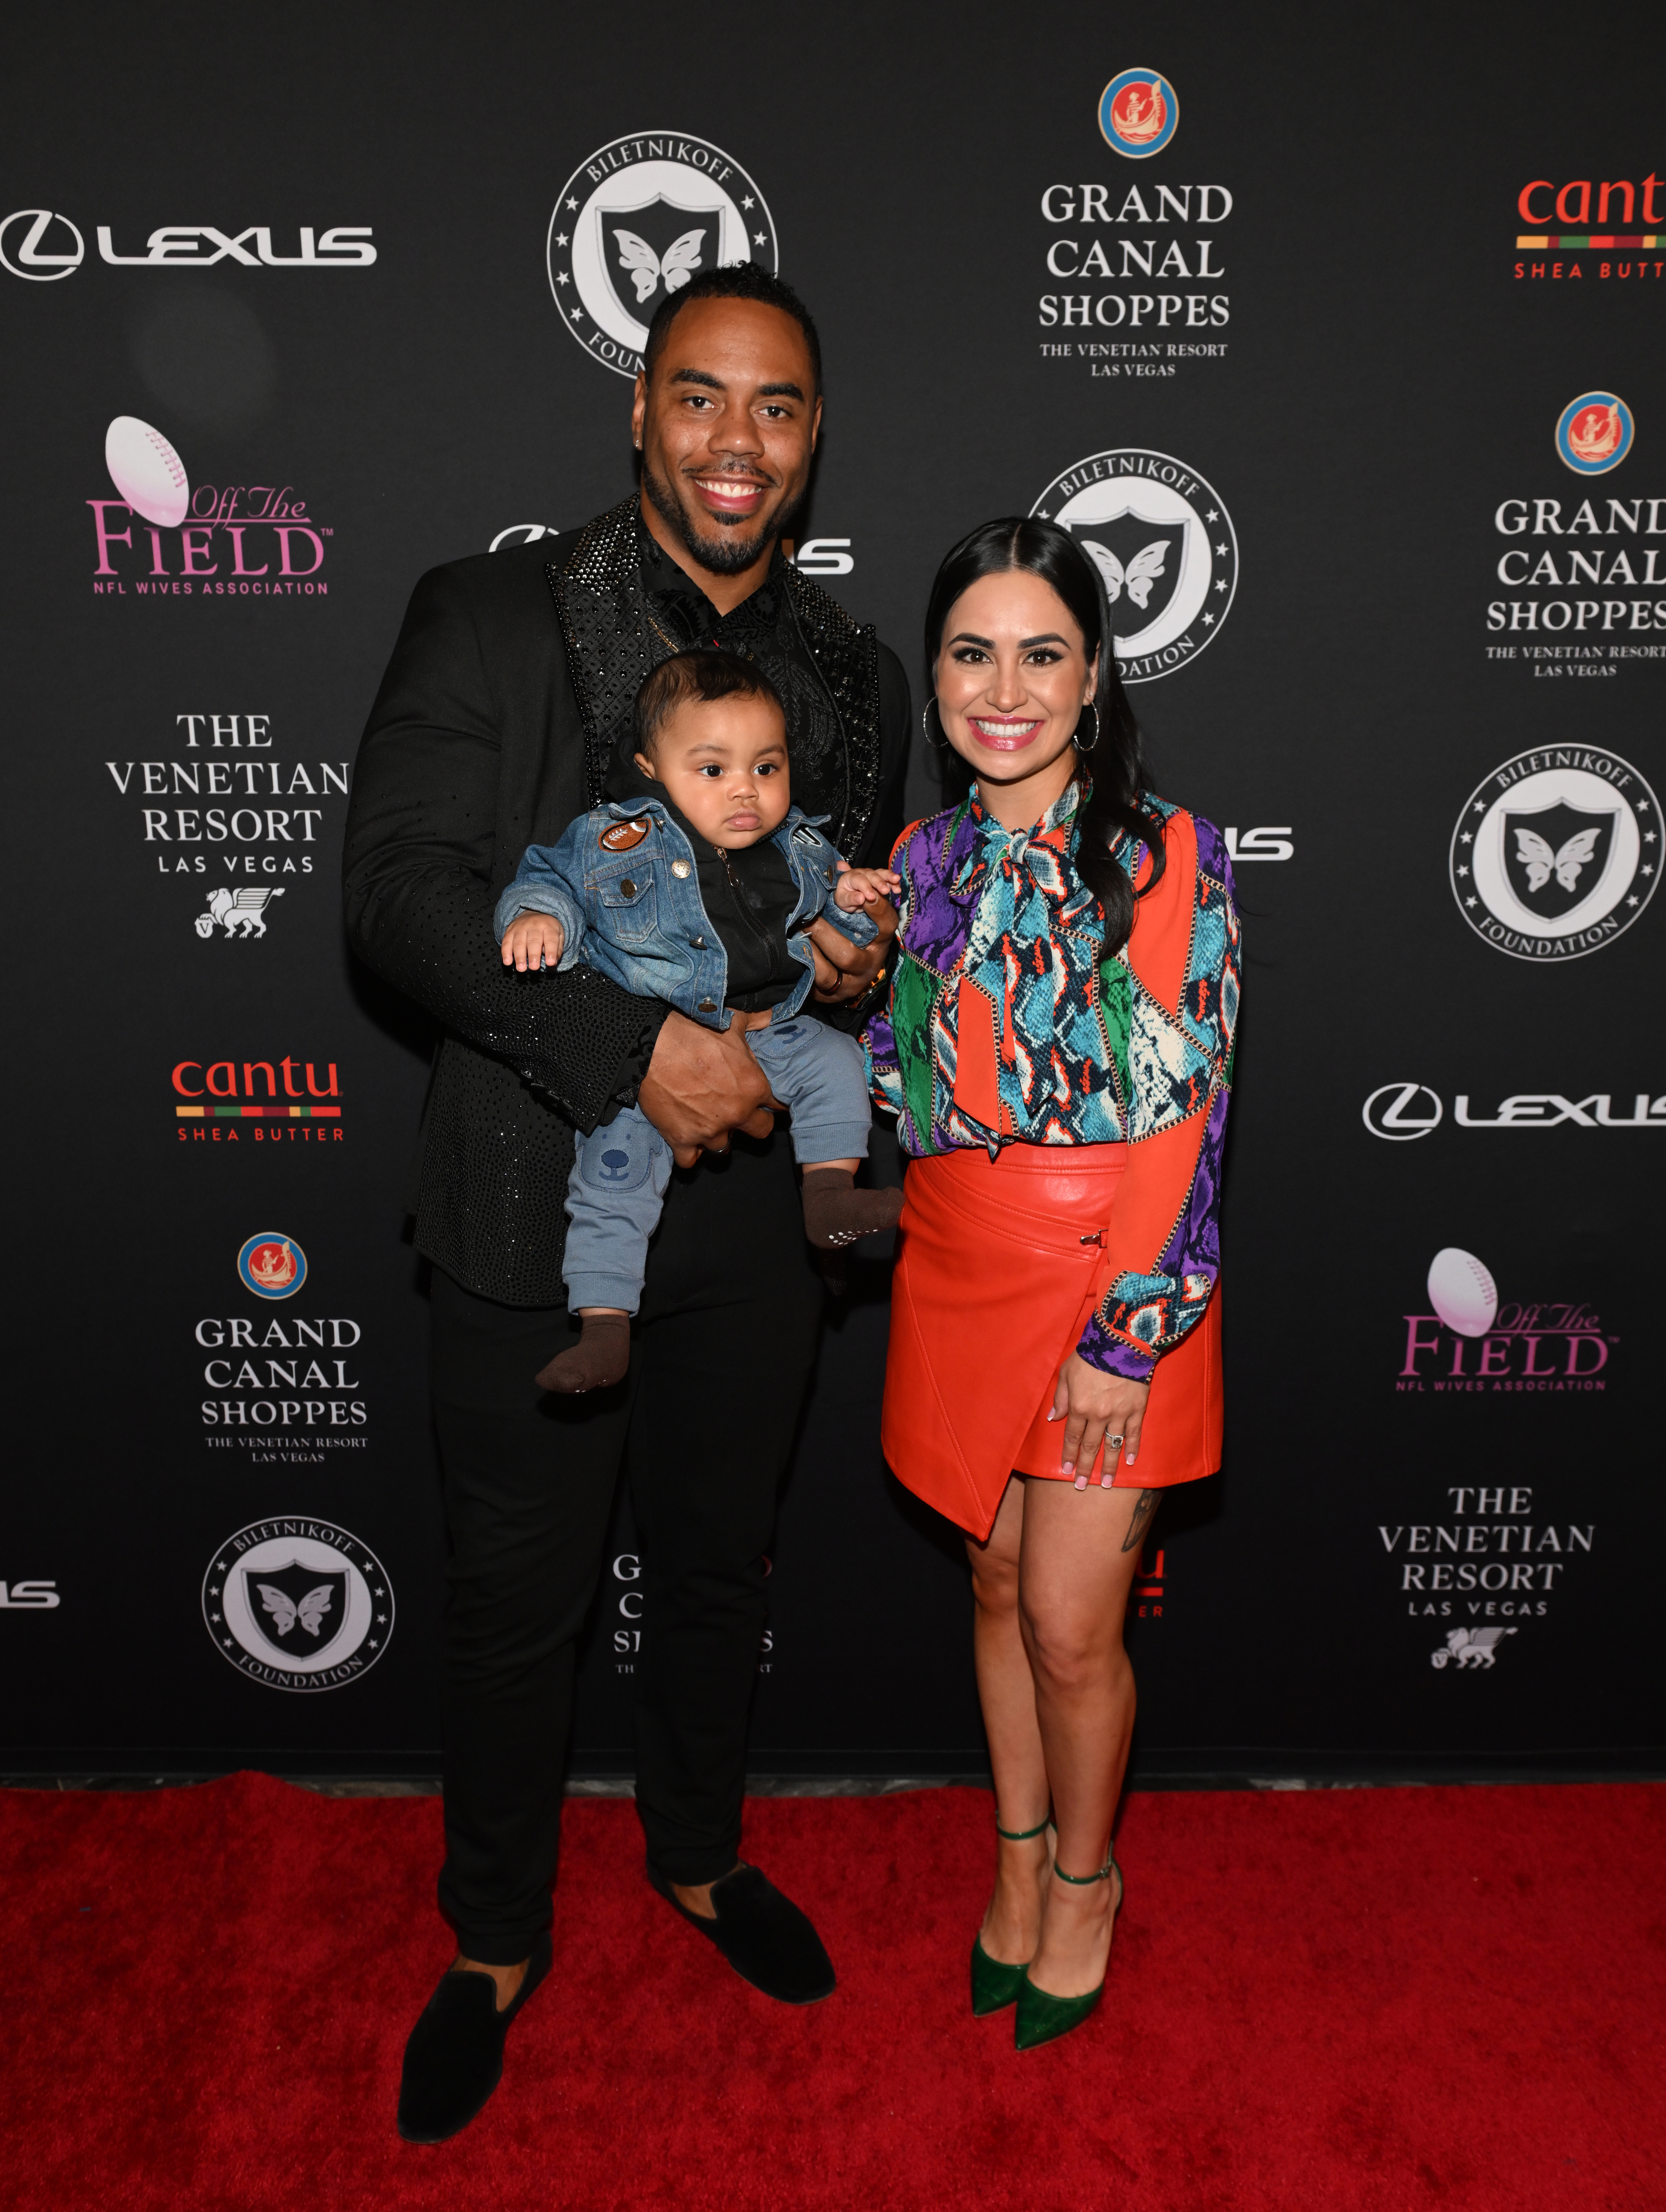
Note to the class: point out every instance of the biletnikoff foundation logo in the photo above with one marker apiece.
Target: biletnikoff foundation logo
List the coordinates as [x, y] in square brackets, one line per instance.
[1556, 853]
[635, 221]
[1161, 537]
[298, 1604]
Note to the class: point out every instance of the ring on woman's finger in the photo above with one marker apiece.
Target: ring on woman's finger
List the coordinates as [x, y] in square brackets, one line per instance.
[1115, 1441]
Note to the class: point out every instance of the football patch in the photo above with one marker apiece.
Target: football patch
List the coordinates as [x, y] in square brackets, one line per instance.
[623, 836]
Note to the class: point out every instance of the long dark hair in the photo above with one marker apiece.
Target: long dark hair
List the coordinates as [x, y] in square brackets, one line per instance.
[1115, 766]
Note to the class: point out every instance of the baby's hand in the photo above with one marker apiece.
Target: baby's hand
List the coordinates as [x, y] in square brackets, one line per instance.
[532, 940]
[859, 887]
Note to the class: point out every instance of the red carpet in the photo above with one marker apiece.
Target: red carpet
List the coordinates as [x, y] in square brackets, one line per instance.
[1381, 1999]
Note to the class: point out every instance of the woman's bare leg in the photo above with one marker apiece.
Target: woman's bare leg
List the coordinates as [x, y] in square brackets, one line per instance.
[1006, 1689]
[1078, 1552]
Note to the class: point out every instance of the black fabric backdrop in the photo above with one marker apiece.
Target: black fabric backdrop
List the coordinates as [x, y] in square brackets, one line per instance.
[1347, 364]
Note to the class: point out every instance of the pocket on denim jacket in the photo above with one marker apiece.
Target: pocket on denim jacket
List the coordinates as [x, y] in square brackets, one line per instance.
[628, 904]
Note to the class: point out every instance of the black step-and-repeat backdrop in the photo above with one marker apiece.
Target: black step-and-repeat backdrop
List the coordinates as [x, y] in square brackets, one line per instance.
[1336, 340]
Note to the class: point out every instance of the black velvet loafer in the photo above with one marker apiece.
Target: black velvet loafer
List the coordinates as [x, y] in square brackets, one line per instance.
[763, 1934]
[454, 2058]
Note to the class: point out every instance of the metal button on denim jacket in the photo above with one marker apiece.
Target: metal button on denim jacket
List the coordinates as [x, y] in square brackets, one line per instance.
[630, 905]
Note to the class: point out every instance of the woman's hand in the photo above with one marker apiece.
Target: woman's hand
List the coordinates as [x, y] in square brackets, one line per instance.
[1094, 1406]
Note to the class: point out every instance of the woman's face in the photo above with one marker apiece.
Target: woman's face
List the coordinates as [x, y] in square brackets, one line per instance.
[1013, 676]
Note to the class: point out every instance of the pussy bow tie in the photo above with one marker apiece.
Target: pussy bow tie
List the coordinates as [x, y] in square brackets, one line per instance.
[1001, 872]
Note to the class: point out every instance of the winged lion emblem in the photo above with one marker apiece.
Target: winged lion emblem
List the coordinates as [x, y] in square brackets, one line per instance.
[1540, 863]
[647, 269]
[1137, 579]
[308, 1610]
[238, 912]
[1470, 1647]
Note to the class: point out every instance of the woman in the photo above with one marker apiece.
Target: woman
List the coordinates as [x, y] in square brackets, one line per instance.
[1058, 1054]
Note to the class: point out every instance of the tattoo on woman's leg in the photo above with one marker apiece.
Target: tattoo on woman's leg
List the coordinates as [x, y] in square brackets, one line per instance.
[1145, 1506]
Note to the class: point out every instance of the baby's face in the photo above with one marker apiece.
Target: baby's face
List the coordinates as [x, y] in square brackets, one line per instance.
[723, 762]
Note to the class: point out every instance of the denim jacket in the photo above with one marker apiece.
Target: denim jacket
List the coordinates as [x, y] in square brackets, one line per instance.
[622, 884]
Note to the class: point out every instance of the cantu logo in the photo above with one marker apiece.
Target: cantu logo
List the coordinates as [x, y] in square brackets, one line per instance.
[1594, 433]
[283, 1099]
[272, 1265]
[1591, 214]
[1138, 114]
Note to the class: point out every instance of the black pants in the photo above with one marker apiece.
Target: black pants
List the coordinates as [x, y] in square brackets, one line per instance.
[722, 1353]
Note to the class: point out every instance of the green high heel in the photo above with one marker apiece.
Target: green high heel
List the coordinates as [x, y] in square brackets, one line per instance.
[994, 1983]
[1041, 2015]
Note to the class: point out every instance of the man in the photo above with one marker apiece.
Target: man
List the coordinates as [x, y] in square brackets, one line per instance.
[512, 682]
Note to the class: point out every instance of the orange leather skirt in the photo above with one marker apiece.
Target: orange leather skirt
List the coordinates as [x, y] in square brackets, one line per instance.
[994, 1286]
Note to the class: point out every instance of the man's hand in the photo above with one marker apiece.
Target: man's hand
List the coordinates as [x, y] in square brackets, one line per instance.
[843, 970]
[1092, 1403]
[700, 1083]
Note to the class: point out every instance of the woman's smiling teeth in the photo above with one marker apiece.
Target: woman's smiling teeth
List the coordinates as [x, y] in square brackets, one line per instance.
[1005, 729]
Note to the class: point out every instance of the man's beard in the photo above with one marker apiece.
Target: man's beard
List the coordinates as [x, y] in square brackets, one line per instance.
[728, 553]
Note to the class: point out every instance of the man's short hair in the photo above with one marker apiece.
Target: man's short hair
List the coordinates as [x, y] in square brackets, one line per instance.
[739, 280]
[697, 677]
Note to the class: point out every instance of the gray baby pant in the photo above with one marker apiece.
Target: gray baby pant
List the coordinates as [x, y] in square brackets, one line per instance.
[620, 1174]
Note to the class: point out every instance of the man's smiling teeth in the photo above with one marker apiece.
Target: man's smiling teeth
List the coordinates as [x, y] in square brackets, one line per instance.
[730, 487]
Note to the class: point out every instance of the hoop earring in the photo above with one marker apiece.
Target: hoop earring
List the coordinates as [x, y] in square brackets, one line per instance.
[1076, 740]
[926, 716]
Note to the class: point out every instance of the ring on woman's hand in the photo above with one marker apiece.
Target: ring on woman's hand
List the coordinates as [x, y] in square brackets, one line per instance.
[1116, 1441]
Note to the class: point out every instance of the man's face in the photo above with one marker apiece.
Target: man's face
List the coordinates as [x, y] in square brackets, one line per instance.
[723, 762]
[726, 429]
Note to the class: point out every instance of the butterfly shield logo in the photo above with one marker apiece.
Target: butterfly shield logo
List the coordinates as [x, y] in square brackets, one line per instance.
[1556, 858]
[1556, 853]
[295, 1603]
[651, 251]
[1141, 561]
[635, 222]
[1163, 545]
[296, 1607]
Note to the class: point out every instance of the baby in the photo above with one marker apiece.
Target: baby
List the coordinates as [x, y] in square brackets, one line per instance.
[697, 886]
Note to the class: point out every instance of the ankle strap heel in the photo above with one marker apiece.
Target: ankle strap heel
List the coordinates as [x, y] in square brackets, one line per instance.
[1085, 1880]
[1022, 1835]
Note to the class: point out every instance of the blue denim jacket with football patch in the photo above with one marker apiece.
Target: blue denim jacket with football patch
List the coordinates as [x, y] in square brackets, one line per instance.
[622, 884]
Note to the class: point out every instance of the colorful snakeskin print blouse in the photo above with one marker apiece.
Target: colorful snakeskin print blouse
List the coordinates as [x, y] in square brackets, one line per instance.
[1007, 1027]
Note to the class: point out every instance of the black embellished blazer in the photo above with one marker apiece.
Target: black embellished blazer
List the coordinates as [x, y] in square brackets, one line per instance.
[512, 679]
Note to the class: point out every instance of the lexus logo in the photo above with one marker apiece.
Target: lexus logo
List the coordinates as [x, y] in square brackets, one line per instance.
[1403, 1111]
[27, 243]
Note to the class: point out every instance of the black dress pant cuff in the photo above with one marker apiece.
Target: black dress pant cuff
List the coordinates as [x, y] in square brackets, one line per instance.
[499, 1950]
[689, 1869]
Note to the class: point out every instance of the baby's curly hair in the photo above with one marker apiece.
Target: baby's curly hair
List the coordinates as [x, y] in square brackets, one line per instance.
[700, 675]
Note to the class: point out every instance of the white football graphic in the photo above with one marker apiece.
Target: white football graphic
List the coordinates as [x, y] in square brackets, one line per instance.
[1463, 1293]
[146, 471]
